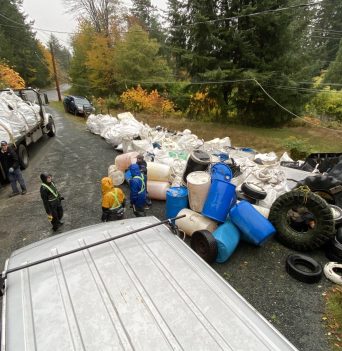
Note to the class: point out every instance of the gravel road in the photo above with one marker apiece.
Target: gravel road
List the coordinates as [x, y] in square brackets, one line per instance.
[78, 160]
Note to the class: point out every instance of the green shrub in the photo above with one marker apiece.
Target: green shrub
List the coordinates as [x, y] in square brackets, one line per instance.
[299, 148]
[327, 104]
[113, 102]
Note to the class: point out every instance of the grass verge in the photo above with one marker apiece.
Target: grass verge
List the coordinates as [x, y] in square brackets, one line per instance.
[333, 317]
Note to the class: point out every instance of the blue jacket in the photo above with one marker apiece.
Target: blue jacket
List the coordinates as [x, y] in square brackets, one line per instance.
[137, 187]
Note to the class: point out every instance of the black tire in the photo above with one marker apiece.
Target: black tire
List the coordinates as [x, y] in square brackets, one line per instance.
[254, 191]
[293, 264]
[329, 188]
[333, 250]
[323, 230]
[23, 156]
[242, 196]
[51, 127]
[204, 244]
[339, 235]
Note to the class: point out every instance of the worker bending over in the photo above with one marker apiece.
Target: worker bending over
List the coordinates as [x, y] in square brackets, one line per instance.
[113, 201]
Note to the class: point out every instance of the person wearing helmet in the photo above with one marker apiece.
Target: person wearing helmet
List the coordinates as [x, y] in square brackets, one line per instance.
[113, 201]
[51, 200]
[138, 191]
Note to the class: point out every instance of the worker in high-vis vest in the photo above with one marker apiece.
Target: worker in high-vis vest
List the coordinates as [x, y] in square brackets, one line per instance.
[138, 191]
[113, 201]
[51, 200]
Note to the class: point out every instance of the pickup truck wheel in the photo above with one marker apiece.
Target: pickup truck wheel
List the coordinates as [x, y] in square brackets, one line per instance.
[204, 244]
[51, 128]
[23, 156]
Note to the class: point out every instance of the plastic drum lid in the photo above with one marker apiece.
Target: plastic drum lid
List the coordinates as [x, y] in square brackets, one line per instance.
[177, 191]
[198, 178]
[200, 156]
[222, 171]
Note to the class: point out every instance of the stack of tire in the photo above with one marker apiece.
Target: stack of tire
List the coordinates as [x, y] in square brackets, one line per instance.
[324, 201]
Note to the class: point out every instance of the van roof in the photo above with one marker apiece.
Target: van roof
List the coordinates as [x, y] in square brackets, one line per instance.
[147, 291]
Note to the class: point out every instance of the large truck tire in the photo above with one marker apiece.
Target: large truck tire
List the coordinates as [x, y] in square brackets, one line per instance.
[51, 127]
[329, 188]
[23, 156]
[315, 237]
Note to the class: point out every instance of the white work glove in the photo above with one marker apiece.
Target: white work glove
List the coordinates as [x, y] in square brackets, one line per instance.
[11, 170]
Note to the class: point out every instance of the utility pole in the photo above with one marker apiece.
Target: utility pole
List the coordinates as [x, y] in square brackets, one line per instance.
[55, 73]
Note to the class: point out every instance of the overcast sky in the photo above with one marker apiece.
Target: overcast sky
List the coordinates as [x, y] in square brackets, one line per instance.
[51, 15]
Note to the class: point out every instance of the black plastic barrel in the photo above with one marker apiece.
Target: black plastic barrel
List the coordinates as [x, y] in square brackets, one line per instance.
[198, 161]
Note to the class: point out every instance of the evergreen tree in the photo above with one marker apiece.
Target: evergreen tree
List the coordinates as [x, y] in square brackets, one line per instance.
[334, 73]
[137, 59]
[327, 30]
[62, 54]
[146, 16]
[225, 44]
[79, 72]
[177, 37]
[19, 47]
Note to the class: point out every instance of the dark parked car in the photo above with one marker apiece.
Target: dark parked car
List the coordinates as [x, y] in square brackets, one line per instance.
[78, 105]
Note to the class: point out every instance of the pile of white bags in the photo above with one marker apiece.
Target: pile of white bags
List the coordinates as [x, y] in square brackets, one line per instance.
[17, 117]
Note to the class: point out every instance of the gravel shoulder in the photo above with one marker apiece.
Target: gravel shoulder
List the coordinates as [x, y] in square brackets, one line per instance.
[78, 160]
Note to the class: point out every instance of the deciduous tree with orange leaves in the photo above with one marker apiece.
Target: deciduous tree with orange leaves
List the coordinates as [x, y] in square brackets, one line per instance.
[9, 78]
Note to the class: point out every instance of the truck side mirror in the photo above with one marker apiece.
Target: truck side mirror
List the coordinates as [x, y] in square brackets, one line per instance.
[46, 99]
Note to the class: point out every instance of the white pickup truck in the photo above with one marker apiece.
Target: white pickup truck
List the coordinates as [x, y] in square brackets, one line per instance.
[125, 285]
[23, 120]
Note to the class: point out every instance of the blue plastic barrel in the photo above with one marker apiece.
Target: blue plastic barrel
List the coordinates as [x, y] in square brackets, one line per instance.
[222, 156]
[227, 238]
[255, 228]
[221, 197]
[221, 171]
[176, 200]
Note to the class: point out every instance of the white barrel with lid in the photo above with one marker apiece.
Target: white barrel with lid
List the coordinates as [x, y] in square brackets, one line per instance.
[157, 190]
[158, 171]
[198, 184]
[116, 175]
[122, 162]
[194, 221]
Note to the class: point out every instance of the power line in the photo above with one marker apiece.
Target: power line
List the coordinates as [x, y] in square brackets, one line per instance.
[194, 23]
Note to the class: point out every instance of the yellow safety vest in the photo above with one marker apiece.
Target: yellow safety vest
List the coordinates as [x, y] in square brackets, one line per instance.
[54, 193]
[142, 184]
[118, 204]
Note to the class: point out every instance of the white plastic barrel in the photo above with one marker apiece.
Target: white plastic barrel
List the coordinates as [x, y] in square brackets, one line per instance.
[122, 162]
[198, 184]
[157, 190]
[194, 221]
[158, 171]
[116, 175]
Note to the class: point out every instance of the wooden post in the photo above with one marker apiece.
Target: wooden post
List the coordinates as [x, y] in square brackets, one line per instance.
[55, 73]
